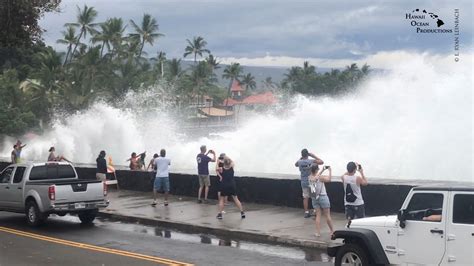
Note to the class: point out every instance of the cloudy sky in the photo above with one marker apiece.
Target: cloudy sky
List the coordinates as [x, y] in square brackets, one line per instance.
[284, 33]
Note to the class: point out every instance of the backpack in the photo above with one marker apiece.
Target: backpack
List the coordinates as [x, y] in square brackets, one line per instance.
[315, 188]
[350, 197]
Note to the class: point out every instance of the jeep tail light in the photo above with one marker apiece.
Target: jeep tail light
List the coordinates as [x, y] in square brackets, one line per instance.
[105, 188]
[52, 193]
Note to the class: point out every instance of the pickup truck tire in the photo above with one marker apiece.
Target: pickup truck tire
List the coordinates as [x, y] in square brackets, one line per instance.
[34, 217]
[351, 254]
[87, 217]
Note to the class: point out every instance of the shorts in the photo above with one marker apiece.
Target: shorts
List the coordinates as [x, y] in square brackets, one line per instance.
[322, 202]
[355, 211]
[100, 176]
[305, 189]
[204, 180]
[228, 191]
[162, 183]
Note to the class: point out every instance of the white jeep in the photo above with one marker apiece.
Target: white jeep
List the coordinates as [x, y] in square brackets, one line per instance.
[434, 226]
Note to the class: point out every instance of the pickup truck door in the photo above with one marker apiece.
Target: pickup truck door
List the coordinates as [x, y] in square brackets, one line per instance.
[460, 235]
[423, 241]
[5, 184]
[15, 196]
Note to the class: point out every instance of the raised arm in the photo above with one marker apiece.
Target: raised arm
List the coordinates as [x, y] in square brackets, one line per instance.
[324, 178]
[150, 164]
[213, 155]
[316, 158]
[362, 180]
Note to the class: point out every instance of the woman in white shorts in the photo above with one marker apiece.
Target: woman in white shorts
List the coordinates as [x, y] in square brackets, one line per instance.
[319, 197]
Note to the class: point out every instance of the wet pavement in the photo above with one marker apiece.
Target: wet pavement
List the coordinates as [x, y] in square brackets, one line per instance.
[133, 244]
[264, 223]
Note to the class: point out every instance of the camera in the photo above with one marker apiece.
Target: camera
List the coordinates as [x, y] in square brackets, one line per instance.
[360, 166]
[327, 167]
[221, 164]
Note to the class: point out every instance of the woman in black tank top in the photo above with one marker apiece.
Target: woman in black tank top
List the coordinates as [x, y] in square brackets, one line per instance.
[228, 187]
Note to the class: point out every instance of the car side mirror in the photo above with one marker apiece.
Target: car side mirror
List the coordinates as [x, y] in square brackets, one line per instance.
[401, 215]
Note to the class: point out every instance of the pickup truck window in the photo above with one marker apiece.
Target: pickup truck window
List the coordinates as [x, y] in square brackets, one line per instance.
[20, 170]
[6, 175]
[52, 171]
[425, 205]
[463, 209]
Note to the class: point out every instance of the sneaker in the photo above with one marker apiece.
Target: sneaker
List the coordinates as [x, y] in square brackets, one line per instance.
[242, 215]
[317, 235]
[154, 203]
[205, 201]
[219, 216]
[165, 203]
[307, 215]
[223, 212]
[199, 201]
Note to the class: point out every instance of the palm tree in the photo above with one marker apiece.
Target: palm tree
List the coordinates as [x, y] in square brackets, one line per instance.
[196, 47]
[147, 32]
[161, 58]
[249, 81]
[69, 39]
[232, 72]
[212, 61]
[111, 33]
[84, 21]
[308, 69]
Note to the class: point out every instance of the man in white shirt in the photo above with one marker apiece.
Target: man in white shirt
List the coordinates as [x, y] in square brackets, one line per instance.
[162, 180]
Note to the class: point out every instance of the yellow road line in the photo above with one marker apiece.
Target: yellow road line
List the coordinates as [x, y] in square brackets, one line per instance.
[94, 248]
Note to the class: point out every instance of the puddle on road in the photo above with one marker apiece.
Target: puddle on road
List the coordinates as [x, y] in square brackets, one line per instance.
[307, 254]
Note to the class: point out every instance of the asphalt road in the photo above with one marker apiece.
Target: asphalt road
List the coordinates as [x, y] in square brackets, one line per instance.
[64, 241]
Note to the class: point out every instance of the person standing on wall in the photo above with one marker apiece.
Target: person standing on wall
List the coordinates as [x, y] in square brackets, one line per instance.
[101, 173]
[353, 201]
[203, 171]
[16, 153]
[162, 180]
[304, 164]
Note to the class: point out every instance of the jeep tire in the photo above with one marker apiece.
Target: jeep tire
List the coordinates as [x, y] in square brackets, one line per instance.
[351, 254]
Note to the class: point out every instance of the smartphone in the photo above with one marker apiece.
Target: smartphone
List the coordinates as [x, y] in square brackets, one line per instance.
[360, 166]
[221, 164]
[326, 167]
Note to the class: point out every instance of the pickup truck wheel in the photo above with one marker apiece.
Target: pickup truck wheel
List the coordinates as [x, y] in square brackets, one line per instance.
[87, 217]
[351, 254]
[33, 215]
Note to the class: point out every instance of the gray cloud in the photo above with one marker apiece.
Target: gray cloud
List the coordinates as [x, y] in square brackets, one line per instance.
[322, 29]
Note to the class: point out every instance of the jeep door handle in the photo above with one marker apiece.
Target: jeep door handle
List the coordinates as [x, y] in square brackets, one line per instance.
[436, 231]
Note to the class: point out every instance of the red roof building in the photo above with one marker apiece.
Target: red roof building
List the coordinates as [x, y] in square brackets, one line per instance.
[266, 98]
[236, 90]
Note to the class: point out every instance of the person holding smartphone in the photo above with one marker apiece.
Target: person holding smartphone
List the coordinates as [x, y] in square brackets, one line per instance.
[304, 165]
[203, 160]
[353, 201]
[319, 196]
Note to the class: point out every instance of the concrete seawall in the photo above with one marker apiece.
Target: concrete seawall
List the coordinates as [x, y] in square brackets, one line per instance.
[380, 196]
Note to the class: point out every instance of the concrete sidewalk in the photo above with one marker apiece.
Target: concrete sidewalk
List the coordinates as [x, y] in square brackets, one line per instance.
[265, 223]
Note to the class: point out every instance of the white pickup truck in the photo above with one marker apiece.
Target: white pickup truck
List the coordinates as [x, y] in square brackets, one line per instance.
[40, 189]
[435, 226]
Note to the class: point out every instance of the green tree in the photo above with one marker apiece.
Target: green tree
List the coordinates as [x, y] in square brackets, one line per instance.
[231, 72]
[110, 34]
[85, 19]
[147, 32]
[249, 82]
[196, 47]
[69, 39]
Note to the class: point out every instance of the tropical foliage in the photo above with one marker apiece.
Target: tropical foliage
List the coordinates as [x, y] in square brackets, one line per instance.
[107, 60]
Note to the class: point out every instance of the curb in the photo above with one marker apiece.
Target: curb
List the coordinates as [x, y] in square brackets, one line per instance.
[228, 233]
